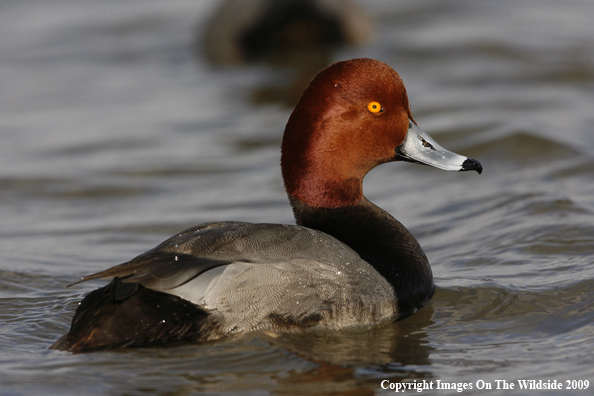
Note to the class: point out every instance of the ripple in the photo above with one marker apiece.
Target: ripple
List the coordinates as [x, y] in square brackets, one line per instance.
[65, 188]
[524, 147]
[541, 313]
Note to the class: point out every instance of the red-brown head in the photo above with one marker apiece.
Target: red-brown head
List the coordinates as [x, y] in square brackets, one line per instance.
[353, 116]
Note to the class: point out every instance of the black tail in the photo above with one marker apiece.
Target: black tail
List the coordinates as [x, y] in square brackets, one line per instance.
[109, 319]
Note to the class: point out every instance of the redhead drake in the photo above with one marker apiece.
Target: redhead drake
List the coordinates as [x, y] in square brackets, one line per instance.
[347, 262]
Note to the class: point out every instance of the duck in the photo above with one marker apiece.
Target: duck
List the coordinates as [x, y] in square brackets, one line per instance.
[255, 30]
[345, 263]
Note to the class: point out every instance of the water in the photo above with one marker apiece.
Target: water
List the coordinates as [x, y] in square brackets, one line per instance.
[116, 134]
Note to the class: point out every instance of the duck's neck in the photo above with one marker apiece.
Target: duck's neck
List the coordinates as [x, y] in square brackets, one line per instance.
[379, 239]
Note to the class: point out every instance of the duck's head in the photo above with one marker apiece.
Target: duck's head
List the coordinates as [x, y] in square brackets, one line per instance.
[354, 116]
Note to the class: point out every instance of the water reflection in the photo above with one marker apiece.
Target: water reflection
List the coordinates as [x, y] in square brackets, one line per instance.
[349, 361]
[403, 343]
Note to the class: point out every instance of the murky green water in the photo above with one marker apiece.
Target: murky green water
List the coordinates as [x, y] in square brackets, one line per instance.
[117, 134]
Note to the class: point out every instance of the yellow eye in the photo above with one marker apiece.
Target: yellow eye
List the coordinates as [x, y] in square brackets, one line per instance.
[375, 107]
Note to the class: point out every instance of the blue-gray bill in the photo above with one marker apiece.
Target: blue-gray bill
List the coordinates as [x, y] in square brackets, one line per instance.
[420, 148]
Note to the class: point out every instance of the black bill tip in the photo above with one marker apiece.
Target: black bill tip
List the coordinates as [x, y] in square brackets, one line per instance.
[472, 164]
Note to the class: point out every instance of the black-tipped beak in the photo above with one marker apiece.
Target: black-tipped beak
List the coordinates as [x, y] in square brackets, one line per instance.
[420, 148]
[472, 165]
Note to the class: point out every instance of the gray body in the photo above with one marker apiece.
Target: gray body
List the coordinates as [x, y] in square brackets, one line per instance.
[264, 276]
